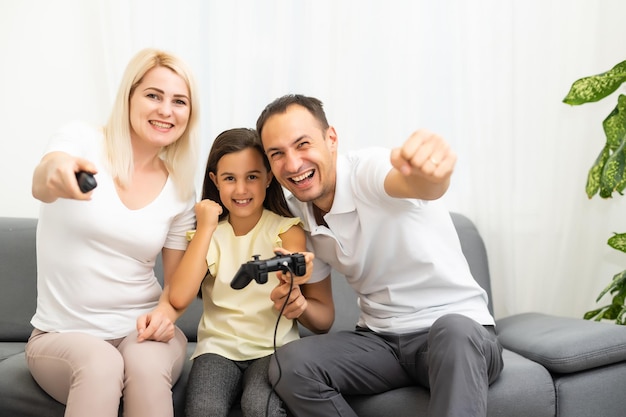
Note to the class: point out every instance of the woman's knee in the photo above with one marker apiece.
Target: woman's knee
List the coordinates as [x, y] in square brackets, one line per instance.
[151, 361]
[78, 362]
[79, 355]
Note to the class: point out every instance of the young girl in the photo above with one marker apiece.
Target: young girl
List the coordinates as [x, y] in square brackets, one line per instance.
[243, 212]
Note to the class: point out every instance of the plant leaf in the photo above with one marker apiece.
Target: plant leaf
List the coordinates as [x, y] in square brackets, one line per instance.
[616, 284]
[619, 187]
[615, 124]
[618, 241]
[611, 312]
[621, 317]
[597, 313]
[596, 87]
[618, 300]
[593, 178]
[613, 172]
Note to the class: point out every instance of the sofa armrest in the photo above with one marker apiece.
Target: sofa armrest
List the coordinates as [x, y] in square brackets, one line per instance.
[562, 344]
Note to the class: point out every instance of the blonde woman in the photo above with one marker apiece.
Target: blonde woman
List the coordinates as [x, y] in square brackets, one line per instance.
[104, 329]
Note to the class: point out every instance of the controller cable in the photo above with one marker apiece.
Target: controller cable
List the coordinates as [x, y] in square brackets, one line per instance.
[280, 314]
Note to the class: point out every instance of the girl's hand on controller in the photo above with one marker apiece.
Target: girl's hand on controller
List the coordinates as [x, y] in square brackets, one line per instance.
[296, 303]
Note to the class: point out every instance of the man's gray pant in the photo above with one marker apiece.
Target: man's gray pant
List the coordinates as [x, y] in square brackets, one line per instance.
[456, 359]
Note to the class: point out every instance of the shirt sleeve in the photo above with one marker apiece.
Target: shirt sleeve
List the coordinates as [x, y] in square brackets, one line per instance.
[283, 225]
[371, 168]
[320, 268]
[370, 174]
[183, 222]
[75, 138]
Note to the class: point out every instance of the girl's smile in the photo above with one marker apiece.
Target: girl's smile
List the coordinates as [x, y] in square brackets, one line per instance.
[242, 180]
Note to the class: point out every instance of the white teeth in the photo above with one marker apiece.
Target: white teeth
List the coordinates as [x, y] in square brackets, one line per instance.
[242, 201]
[301, 177]
[162, 125]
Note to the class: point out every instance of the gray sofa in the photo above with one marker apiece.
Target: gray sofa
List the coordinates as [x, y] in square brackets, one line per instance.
[554, 366]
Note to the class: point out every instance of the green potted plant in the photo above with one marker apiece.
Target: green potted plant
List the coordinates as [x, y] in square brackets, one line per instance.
[606, 175]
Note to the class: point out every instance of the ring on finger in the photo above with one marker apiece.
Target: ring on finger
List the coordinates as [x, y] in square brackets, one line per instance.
[434, 161]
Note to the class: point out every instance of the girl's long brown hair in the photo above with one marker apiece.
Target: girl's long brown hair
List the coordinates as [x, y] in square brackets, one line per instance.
[235, 140]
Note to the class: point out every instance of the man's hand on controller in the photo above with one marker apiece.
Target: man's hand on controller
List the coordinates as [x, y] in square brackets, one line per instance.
[297, 280]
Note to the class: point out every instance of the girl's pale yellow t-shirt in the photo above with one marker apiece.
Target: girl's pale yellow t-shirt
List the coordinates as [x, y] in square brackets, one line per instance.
[239, 324]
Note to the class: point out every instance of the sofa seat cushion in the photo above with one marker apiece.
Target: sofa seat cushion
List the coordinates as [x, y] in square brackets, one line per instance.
[19, 393]
[8, 349]
[18, 272]
[523, 389]
[563, 344]
[596, 392]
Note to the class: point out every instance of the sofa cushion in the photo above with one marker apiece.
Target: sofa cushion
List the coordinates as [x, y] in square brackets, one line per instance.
[596, 392]
[19, 393]
[8, 349]
[562, 344]
[523, 389]
[475, 252]
[18, 271]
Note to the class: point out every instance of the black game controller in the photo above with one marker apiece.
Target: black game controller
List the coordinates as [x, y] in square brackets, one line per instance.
[257, 269]
[86, 181]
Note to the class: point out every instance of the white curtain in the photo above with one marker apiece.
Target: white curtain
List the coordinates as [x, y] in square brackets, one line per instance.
[489, 75]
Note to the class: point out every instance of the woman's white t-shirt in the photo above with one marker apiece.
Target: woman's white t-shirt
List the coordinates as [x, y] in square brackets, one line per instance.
[95, 258]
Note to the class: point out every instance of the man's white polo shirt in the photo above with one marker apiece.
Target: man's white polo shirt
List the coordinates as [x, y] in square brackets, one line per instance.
[402, 256]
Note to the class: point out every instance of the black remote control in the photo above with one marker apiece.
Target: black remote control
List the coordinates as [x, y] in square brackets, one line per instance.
[86, 181]
[257, 269]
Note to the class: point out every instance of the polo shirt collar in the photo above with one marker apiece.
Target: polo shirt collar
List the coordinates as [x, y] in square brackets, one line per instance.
[343, 201]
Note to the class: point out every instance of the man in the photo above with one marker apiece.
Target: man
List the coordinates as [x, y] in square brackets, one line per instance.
[372, 216]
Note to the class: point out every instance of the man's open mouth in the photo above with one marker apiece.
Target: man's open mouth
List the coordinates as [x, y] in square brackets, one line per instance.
[307, 175]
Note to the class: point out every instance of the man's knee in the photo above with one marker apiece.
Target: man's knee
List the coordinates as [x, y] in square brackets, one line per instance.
[456, 337]
[273, 371]
[293, 366]
[455, 328]
[282, 365]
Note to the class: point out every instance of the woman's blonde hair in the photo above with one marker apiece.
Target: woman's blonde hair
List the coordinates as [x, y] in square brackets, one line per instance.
[180, 156]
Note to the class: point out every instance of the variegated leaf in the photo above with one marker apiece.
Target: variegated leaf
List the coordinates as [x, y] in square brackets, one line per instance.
[593, 178]
[619, 187]
[615, 124]
[616, 284]
[596, 87]
[613, 172]
[618, 241]
[593, 313]
[611, 312]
